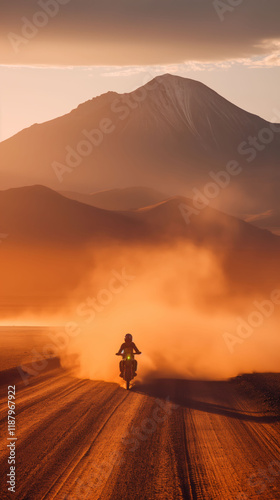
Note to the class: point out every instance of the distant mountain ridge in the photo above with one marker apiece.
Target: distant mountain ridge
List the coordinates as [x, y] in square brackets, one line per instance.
[36, 214]
[39, 215]
[52, 238]
[167, 135]
[119, 198]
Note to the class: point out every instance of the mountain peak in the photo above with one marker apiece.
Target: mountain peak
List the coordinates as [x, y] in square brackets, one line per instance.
[198, 108]
[169, 135]
[168, 79]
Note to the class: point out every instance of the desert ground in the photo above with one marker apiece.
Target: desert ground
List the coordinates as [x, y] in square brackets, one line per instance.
[166, 438]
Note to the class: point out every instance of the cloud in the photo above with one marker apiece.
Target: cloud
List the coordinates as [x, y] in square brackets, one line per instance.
[269, 60]
[142, 32]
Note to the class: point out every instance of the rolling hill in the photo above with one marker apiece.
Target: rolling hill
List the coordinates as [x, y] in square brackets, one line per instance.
[54, 243]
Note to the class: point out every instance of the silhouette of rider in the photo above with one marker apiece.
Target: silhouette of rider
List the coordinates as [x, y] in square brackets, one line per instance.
[128, 347]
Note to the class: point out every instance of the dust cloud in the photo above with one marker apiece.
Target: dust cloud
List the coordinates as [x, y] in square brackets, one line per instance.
[176, 301]
[177, 304]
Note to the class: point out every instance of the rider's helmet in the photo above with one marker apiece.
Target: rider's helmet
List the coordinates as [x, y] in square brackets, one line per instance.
[128, 337]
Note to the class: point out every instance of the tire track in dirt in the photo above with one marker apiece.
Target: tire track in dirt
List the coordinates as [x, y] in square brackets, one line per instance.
[167, 440]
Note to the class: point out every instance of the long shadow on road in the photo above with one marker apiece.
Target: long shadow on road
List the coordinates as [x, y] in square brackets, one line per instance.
[217, 397]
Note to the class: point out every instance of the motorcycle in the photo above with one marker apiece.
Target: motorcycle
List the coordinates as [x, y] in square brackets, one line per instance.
[128, 370]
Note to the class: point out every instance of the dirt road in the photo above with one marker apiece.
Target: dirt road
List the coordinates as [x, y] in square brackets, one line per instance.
[170, 439]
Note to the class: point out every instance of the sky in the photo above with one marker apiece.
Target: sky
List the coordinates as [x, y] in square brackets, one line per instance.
[55, 54]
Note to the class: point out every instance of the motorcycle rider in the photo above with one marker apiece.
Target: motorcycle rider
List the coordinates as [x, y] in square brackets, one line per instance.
[128, 347]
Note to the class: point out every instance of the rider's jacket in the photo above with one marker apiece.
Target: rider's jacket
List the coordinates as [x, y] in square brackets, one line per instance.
[128, 349]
